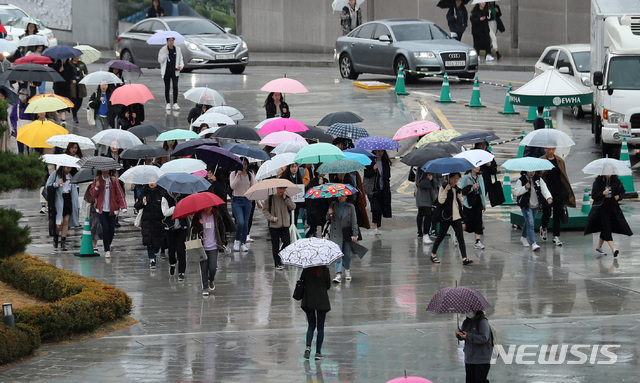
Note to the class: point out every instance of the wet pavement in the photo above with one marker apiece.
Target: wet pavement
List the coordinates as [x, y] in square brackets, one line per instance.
[250, 329]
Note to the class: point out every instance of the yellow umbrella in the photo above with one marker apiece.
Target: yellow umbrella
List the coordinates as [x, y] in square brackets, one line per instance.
[438, 136]
[47, 103]
[35, 134]
[89, 53]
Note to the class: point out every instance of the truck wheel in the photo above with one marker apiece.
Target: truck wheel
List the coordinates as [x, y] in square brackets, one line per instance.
[577, 111]
[597, 129]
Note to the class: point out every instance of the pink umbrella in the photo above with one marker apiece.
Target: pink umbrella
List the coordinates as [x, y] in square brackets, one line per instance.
[284, 85]
[131, 94]
[282, 124]
[416, 129]
[409, 379]
[276, 138]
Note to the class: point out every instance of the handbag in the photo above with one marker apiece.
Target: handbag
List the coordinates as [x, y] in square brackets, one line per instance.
[194, 247]
[565, 215]
[91, 117]
[88, 198]
[496, 195]
[138, 221]
[298, 292]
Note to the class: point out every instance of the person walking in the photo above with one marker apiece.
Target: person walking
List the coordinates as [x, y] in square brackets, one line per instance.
[480, 29]
[293, 174]
[155, 10]
[109, 202]
[240, 181]
[66, 203]
[171, 63]
[351, 17]
[131, 115]
[316, 207]
[474, 204]
[315, 303]
[209, 223]
[277, 210]
[558, 183]
[20, 118]
[103, 112]
[378, 174]
[450, 212]
[275, 106]
[343, 230]
[495, 25]
[426, 193]
[153, 233]
[478, 347]
[458, 19]
[531, 192]
[77, 91]
[606, 216]
[176, 234]
[63, 88]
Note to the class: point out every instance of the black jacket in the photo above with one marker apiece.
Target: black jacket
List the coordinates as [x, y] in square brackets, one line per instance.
[63, 88]
[459, 24]
[607, 206]
[153, 233]
[315, 289]
[127, 122]
[271, 110]
[383, 204]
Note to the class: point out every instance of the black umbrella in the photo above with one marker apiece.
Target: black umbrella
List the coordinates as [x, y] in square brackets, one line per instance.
[424, 154]
[220, 157]
[316, 134]
[124, 65]
[446, 4]
[83, 175]
[237, 132]
[188, 148]
[30, 72]
[147, 130]
[139, 152]
[452, 148]
[99, 163]
[246, 150]
[474, 137]
[344, 117]
[9, 94]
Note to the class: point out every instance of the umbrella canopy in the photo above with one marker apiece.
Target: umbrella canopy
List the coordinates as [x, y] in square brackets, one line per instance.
[261, 123]
[183, 183]
[282, 125]
[220, 157]
[551, 88]
[184, 165]
[160, 38]
[50, 96]
[452, 148]
[343, 117]
[447, 165]
[177, 134]
[416, 129]
[350, 131]
[330, 190]
[477, 157]
[421, 156]
[316, 134]
[63, 140]
[6, 46]
[337, 5]
[36, 134]
[284, 85]
[376, 143]
[131, 94]
[309, 252]
[61, 160]
[30, 72]
[124, 65]
[194, 203]
[141, 174]
[438, 136]
[360, 151]
[459, 300]
[139, 152]
[230, 111]
[547, 138]
[363, 159]
[208, 131]
[213, 119]
[33, 59]
[446, 4]
[123, 139]
[607, 166]
[272, 167]
[47, 103]
[89, 53]
[83, 175]
[237, 132]
[246, 150]
[98, 77]
[99, 163]
[528, 164]
[475, 137]
[276, 138]
[340, 166]
[188, 148]
[263, 189]
[147, 130]
[61, 52]
[33, 40]
[289, 147]
[204, 95]
[9, 94]
[321, 152]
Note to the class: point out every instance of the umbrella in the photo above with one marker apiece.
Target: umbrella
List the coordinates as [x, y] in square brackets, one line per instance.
[9, 94]
[97, 78]
[376, 143]
[194, 203]
[141, 174]
[350, 131]
[99, 163]
[528, 164]
[337, 5]
[416, 129]
[177, 134]
[237, 132]
[321, 152]
[261, 123]
[183, 165]
[284, 85]
[131, 94]
[272, 167]
[289, 147]
[83, 175]
[220, 157]
[246, 150]
[36, 134]
[30, 72]
[263, 189]
[230, 111]
[447, 165]
[477, 157]
[458, 299]
[61, 52]
[124, 65]
[33, 40]
[89, 53]
[410, 379]
[551, 88]
[446, 4]
[122, 138]
[61, 160]
[330, 190]
[147, 130]
[204, 95]
[188, 148]
[63, 140]
[49, 96]
[33, 59]
[282, 124]
[316, 134]
[208, 131]
[160, 38]
[421, 156]
[213, 119]
[143, 151]
[438, 136]
[340, 166]
[344, 117]
[360, 151]
[452, 148]
[606, 166]
[547, 138]
[309, 252]
[183, 183]
[276, 138]
[48, 103]
[363, 159]
[475, 137]
[8, 47]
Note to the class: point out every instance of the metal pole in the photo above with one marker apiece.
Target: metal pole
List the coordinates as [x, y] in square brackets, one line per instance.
[514, 23]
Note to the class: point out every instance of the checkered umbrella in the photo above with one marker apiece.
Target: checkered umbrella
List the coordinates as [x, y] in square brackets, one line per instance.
[309, 252]
[459, 300]
[347, 131]
[99, 163]
[376, 143]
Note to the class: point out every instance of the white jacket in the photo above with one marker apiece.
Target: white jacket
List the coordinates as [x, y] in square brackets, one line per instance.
[162, 59]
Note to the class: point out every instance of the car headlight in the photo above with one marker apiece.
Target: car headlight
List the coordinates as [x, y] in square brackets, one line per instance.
[424, 55]
[614, 117]
[586, 81]
[244, 45]
[472, 53]
[193, 46]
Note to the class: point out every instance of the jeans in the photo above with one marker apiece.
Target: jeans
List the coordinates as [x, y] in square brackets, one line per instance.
[457, 229]
[108, 223]
[241, 207]
[151, 251]
[168, 80]
[102, 123]
[209, 267]
[346, 258]
[529, 228]
[175, 240]
[277, 234]
[315, 318]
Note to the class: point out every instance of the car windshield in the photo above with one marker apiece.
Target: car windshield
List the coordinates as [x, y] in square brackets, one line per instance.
[624, 73]
[418, 31]
[14, 18]
[194, 27]
[583, 61]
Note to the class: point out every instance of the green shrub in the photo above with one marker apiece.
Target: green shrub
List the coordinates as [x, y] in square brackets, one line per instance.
[14, 239]
[18, 342]
[20, 172]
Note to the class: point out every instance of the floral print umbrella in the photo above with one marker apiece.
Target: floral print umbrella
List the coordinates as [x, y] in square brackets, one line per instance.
[309, 252]
[440, 135]
[330, 191]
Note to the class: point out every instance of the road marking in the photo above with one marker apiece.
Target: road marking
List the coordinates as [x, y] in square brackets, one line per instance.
[402, 189]
[443, 119]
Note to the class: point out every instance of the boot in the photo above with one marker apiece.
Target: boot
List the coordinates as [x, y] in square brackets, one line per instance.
[63, 244]
[55, 241]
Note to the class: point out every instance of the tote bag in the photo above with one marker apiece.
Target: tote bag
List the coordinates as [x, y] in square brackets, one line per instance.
[496, 195]
[195, 249]
[91, 118]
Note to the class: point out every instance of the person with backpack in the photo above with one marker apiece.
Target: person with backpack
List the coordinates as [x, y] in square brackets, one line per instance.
[478, 347]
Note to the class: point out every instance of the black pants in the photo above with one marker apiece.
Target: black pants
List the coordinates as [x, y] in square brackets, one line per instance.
[278, 234]
[473, 219]
[77, 103]
[423, 220]
[175, 244]
[457, 229]
[557, 214]
[168, 80]
[477, 373]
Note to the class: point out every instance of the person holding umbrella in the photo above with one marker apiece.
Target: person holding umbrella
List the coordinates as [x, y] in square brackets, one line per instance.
[275, 106]
[344, 229]
[109, 201]
[103, 111]
[77, 91]
[351, 17]
[155, 10]
[66, 202]
[316, 305]
[378, 175]
[277, 210]
[153, 233]
[558, 183]
[426, 196]
[457, 18]
[176, 231]
[474, 204]
[171, 63]
[63, 88]
[480, 29]
[209, 223]
[240, 181]
[478, 346]
[531, 192]
[19, 118]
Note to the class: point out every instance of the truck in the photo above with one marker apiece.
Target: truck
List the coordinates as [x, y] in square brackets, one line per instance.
[615, 73]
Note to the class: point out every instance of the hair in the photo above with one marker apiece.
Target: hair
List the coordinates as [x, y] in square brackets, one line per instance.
[68, 149]
[477, 7]
[35, 29]
[269, 99]
[454, 174]
[165, 145]
[317, 271]
[60, 171]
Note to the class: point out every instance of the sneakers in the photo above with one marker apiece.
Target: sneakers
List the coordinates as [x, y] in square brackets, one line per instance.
[152, 263]
[212, 286]
[107, 254]
[236, 245]
[556, 241]
[489, 58]
[478, 245]
[279, 267]
[307, 353]
[426, 240]
[376, 232]
[249, 238]
[616, 252]
[180, 277]
[172, 269]
[168, 106]
[535, 247]
[543, 234]
[524, 241]
[176, 107]
[44, 210]
[244, 248]
[338, 278]
[347, 275]
[319, 356]
[600, 251]
[205, 293]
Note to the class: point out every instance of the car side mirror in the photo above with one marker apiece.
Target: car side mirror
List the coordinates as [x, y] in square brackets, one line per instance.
[227, 29]
[564, 70]
[384, 39]
[598, 78]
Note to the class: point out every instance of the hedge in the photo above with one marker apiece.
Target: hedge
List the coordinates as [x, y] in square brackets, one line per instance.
[17, 342]
[77, 304]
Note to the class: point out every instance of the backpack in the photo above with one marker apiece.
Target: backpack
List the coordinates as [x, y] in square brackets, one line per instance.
[494, 340]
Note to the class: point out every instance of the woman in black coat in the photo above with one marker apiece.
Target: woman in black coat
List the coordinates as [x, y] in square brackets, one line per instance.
[380, 195]
[315, 303]
[63, 88]
[480, 29]
[316, 207]
[153, 233]
[606, 216]
[293, 174]
[275, 106]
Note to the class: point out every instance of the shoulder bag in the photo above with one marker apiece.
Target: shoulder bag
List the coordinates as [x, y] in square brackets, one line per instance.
[496, 195]
[298, 292]
[91, 118]
[195, 249]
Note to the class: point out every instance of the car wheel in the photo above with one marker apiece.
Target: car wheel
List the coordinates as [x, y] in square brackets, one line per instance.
[237, 69]
[402, 61]
[597, 128]
[346, 68]
[126, 56]
[577, 111]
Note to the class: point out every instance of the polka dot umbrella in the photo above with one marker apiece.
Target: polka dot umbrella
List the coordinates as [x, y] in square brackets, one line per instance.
[458, 299]
[376, 143]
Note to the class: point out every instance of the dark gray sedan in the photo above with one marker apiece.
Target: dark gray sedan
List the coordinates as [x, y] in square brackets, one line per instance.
[382, 46]
[207, 45]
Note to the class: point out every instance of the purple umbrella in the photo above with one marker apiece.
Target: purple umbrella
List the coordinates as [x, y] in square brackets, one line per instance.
[124, 65]
[219, 157]
[459, 300]
[376, 143]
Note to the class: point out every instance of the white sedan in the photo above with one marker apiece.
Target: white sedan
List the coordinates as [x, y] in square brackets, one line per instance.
[15, 21]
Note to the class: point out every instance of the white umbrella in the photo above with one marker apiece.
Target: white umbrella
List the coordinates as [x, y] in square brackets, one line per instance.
[527, 164]
[481, 1]
[606, 166]
[337, 5]
[6, 46]
[122, 138]
[160, 38]
[33, 40]
[272, 167]
[204, 95]
[477, 157]
[261, 123]
[213, 119]
[208, 131]
[61, 160]
[184, 165]
[89, 53]
[63, 140]
[276, 138]
[309, 252]
[141, 174]
[230, 111]
[289, 147]
[97, 78]
[263, 189]
[547, 138]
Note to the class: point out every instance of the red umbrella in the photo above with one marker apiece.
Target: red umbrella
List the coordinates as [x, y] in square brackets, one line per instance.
[131, 94]
[33, 59]
[194, 203]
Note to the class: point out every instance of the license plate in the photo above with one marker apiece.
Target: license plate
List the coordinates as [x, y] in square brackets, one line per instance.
[225, 57]
[454, 63]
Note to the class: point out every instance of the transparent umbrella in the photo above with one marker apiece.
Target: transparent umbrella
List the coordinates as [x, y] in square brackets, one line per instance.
[607, 166]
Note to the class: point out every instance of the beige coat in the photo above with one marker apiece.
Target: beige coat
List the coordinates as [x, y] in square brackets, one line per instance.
[282, 208]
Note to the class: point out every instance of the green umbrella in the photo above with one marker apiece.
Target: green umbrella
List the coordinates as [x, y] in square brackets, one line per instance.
[340, 166]
[321, 152]
[438, 136]
[177, 134]
[551, 89]
[527, 164]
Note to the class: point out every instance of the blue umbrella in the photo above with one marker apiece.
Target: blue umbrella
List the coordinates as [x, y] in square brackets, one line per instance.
[347, 131]
[61, 52]
[364, 160]
[188, 148]
[246, 150]
[361, 151]
[219, 157]
[340, 166]
[183, 183]
[448, 165]
[377, 143]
